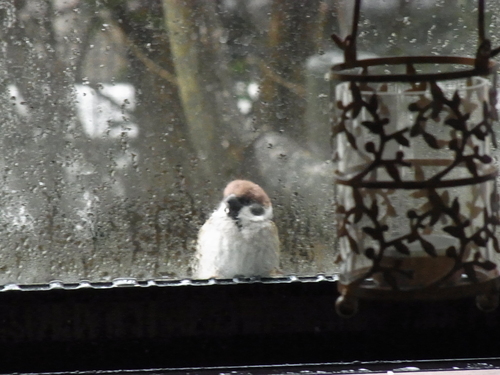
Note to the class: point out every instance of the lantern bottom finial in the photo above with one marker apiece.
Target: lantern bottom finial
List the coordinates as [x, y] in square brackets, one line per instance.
[346, 306]
[488, 302]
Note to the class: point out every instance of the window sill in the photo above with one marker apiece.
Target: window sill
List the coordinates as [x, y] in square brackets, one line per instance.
[187, 324]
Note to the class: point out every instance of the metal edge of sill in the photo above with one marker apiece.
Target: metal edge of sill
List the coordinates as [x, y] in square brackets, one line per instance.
[135, 283]
[442, 366]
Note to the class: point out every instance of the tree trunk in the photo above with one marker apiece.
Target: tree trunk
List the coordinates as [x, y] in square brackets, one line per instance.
[290, 41]
[195, 86]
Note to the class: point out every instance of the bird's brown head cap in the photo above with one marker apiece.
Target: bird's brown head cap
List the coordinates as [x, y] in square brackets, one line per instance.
[247, 189]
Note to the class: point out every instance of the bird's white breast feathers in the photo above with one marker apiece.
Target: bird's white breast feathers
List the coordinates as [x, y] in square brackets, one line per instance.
[226, 250]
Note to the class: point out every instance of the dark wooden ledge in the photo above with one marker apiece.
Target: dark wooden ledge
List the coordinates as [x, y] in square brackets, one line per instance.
[172, 325]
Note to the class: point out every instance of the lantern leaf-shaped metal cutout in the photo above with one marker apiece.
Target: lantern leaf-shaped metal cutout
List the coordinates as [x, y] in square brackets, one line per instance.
[416, 192]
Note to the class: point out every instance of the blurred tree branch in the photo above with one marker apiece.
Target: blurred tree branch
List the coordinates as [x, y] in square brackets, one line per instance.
[269, 73]
[149, 63]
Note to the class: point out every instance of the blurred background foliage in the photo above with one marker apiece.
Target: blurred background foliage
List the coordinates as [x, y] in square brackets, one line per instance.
[122, 121]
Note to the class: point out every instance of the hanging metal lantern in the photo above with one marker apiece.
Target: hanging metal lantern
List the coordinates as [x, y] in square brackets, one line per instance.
[416, 192]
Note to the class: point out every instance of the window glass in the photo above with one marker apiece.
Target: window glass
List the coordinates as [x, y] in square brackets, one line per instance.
[123, 121]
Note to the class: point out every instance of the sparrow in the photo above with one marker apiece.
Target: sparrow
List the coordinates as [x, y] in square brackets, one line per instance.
[239, 239]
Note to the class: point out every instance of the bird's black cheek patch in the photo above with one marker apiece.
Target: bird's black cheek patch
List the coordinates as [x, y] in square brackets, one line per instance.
[257, 210]
[233, 208]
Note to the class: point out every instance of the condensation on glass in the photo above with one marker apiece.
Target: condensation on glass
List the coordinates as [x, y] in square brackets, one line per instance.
[114, 150]
[123, 121]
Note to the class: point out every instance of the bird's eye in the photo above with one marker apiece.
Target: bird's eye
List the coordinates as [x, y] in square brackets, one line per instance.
[257, 209]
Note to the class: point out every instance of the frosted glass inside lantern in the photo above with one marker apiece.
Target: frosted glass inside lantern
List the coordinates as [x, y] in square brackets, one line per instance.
[415, 182]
